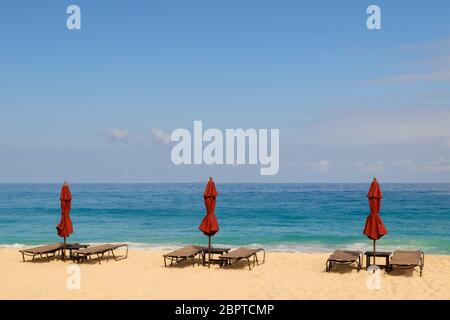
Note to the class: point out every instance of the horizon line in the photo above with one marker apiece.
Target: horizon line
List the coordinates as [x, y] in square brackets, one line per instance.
[227, 182]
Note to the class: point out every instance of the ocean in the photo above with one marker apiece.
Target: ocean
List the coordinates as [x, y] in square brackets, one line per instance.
[280, 217]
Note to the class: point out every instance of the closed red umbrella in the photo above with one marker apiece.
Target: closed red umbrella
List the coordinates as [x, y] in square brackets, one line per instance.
[374, 228]
[65, 227]
[209, 225]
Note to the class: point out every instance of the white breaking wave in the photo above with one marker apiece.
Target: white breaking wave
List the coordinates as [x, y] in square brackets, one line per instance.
[304, 248]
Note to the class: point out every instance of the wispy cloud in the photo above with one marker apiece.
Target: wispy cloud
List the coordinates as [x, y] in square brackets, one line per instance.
[441, 164]
[122, 135]
[383, 126]
[160, 136]
[439, 44]
[403, 163]
[432, 76]
[437, 57]
[118, 135]
[321, 165]
[374, 167]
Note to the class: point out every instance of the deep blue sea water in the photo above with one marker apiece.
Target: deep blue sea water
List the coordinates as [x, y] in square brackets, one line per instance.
[288, 217]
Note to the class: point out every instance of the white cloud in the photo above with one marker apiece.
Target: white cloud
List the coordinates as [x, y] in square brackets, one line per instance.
[321, 165]
[119, 135]
[160, 136]
[377, 166]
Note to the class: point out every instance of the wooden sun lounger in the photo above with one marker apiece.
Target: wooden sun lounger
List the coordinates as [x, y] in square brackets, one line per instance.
[49, 251]
[344, 257]
[85, 254]
[242, 254]
[403, 259]
[185, 253]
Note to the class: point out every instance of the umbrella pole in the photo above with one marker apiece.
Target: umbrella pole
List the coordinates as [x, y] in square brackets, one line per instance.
[64, 250]
[209, 251]
[374, 253]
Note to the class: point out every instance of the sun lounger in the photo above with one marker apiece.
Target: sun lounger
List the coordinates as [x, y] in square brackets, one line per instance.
[242, 254]
[85, 254]
[185, 253]
[403, 259]
[344, 257]
[49, 251]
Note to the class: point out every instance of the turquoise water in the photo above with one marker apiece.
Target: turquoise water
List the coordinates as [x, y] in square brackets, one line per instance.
[288, 217]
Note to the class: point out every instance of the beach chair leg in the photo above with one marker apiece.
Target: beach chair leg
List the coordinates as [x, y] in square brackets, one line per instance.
[23, 257]
[124, 257]
[249, 264]
[422, 263]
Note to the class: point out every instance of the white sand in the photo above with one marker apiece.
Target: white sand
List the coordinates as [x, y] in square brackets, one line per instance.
[283, 276]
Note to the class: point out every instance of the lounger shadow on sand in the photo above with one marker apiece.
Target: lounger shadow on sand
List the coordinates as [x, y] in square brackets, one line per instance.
[99, 251]
[242, 254]
[344, 257]
[186, 253]
[402, 259]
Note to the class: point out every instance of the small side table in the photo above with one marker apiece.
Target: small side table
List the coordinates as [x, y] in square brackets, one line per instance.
[217, 251]
[381, 254]
[74, 246]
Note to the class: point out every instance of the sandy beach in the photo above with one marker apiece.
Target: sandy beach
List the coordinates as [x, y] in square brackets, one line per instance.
[283, 276]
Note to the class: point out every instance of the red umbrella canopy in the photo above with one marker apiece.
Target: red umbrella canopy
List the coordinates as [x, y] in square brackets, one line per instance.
[209, 225]
[64, 227]
[374, 228]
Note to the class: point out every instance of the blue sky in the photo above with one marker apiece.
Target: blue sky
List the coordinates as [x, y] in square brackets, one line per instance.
[97, 104]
